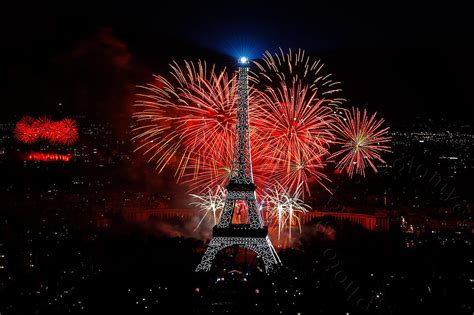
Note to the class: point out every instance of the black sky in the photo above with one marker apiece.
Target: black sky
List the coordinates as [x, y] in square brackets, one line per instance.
[398, 58]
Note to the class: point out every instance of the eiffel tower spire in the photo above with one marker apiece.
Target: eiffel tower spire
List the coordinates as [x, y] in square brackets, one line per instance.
[253, 235]
[241, 174]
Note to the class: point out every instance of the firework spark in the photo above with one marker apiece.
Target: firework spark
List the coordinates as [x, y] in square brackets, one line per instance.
[283, 208]
[362, 139]
[211, 204]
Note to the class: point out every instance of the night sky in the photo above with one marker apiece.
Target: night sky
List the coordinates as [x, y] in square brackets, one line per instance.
[401, 59]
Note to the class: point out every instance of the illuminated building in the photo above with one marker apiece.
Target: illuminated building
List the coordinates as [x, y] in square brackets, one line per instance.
[241, 191]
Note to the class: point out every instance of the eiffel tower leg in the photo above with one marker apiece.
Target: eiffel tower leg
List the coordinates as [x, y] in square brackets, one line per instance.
[264, 248]
[215, 245]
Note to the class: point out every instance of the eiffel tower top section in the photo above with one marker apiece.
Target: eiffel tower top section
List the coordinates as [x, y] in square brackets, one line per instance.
[241, 177]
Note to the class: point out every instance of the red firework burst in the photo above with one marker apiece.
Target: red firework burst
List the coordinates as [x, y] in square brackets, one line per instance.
[189, 114]
[294, 68]
[63, 132]
[25, 132]
[300, 173]
[188, 122]
[296, 126]
[29, 130]
[362, 139]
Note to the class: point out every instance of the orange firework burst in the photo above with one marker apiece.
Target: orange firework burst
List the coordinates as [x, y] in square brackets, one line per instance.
[362, 139]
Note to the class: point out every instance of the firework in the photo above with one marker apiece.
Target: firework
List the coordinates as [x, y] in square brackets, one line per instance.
[211, 204]
[301, 172]
[192, 113]
[29, 130]
[297, 127]
[295, 115]
[48, 157]
[215, 167]
[362, 139]
[284, 207]
[45, 128]
[294, 68]
[187, 121]
[25, 132]
[64, 132]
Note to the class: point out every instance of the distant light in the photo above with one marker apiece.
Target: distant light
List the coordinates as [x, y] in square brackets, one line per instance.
[243, 60]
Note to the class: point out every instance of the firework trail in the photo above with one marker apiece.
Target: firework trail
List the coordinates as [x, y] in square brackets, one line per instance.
[362, 139]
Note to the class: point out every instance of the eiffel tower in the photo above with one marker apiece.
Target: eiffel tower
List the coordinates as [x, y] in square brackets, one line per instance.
[253, 235]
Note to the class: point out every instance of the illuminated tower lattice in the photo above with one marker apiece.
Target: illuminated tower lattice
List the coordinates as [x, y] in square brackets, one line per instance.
[241, 189]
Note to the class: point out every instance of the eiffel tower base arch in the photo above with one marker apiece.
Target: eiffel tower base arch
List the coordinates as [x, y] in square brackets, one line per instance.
[262, 246]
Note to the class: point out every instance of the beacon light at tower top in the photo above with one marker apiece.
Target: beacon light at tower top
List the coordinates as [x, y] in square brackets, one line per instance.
[243, 60]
